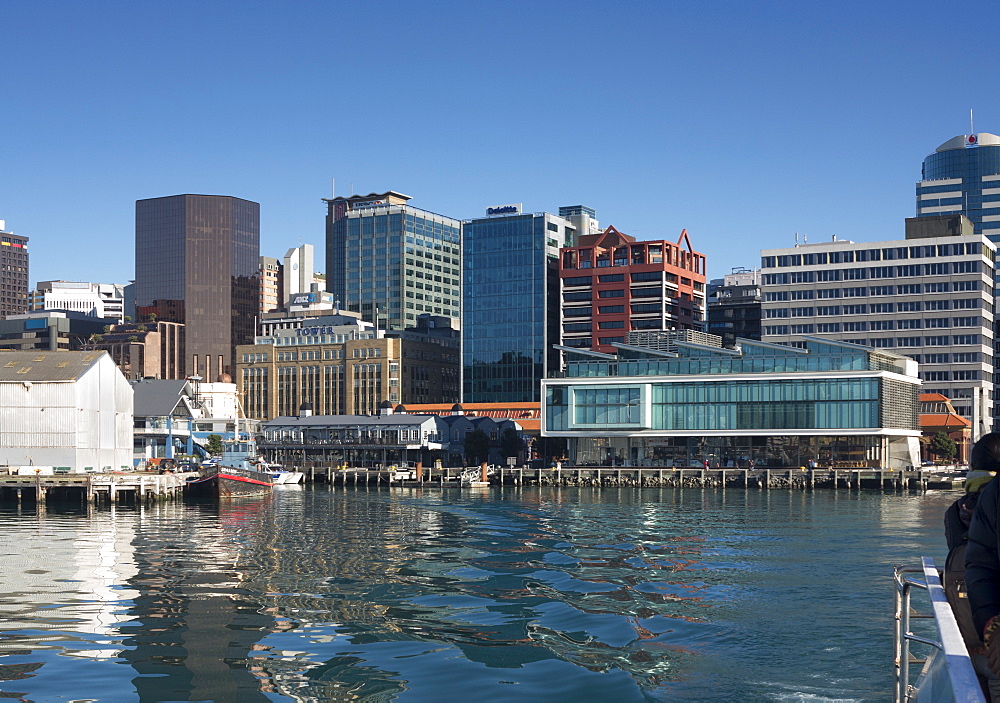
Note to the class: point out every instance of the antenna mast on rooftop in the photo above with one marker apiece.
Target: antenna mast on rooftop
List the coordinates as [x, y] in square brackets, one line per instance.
[972, 129]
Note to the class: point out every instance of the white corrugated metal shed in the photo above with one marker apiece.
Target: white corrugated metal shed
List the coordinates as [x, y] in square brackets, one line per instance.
[64, 408]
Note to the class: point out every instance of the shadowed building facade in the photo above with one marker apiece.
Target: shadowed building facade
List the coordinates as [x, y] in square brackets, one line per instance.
[196, 262]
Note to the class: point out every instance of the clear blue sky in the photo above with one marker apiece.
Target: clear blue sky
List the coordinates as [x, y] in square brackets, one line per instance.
[743, 122]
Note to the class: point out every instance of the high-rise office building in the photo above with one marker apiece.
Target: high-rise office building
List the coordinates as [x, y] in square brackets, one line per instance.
[391, 261]
[298, 272]
[734, 306]
[963, 176]
[269, 275]
[613, 285]
[510, 314]
[13, 273]
[196, 262]
[928, 297]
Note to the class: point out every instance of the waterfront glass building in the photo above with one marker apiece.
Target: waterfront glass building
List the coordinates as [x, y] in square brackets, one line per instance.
[197, 262]
[833, 403]
[963, 176]
[511, 309]
[392, 262]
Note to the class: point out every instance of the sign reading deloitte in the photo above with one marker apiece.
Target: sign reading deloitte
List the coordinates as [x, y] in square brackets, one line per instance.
[514, 209]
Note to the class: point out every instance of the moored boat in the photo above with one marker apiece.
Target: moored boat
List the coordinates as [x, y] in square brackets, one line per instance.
[239, 472]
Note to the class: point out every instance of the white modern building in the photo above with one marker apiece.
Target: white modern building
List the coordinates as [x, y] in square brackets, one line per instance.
[102, 300]
[928, 297]
[299, 272]
[64, 408]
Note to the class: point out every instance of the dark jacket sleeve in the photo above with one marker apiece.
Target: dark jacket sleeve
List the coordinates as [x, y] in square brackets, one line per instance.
[982, 557]
[954, 530]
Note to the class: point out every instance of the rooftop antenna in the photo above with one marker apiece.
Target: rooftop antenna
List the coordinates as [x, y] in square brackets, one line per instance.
[804, 238]
[796, 237]
[972, 129]
[333, 188]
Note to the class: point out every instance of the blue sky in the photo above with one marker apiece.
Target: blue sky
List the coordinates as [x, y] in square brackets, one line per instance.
[743, 122]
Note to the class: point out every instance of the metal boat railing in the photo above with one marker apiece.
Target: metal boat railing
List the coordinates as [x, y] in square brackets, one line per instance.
[947, 673]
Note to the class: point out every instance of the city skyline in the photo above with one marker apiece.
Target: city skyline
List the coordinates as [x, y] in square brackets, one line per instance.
[743, 125]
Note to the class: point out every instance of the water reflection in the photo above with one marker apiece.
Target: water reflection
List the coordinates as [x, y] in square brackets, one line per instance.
[378, 595]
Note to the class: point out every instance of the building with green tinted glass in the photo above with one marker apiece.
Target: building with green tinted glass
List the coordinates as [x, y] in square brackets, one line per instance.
[833, 403]
[392, 262]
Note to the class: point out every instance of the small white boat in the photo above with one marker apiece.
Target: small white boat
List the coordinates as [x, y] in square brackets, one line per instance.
[284, 477]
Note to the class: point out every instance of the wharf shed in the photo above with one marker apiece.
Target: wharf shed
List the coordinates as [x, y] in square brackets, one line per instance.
[66, 408]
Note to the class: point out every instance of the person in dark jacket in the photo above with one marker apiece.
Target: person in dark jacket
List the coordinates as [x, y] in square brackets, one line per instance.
[982, 552]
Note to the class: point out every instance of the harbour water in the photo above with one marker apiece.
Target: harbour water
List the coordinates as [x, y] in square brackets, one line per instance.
[557, 594]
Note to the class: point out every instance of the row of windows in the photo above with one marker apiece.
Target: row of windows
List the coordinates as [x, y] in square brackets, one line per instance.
[874, 291]
[963, 375]
[865, 273]
[822, 258]
[636, 276]
[930, 341]
[876, 308]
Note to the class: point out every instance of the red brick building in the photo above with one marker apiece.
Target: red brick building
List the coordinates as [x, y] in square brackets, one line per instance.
[612, 285]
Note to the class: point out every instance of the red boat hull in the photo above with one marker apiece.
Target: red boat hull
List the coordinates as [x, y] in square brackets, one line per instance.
[227, 482]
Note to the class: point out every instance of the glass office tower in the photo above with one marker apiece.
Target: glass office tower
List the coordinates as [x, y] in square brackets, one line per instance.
[392, 262]
[196, 262]
[963, 176]
[510, 314]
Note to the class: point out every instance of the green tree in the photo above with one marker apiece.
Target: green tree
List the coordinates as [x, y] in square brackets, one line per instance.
[511, 443]
[477, 446]
[943, 447]
[214, 446]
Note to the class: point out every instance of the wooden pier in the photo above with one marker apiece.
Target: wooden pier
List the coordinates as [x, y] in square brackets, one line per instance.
[652, 477]
[138, 487]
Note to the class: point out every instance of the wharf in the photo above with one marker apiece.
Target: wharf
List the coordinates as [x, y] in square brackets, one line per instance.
[654, 477]
[94, 488]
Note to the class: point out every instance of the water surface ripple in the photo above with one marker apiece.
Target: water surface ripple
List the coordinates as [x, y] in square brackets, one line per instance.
[501, 594]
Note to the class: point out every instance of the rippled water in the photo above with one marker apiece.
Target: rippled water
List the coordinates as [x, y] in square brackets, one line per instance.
[504, 594]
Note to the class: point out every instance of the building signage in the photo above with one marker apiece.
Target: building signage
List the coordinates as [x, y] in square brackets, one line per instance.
[367, 203]
[315, 331]
[514, 209]
[303, 298]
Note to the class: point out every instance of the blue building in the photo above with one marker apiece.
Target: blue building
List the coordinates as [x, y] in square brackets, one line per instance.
[510, 313]
[830, 402]
[962, 176]
[392, 262]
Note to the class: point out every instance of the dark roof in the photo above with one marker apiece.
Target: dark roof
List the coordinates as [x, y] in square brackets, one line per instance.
[156, 397]
[41, 366]
[347, 420]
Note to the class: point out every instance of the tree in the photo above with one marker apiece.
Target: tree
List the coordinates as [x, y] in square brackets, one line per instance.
[477, 446]
[943, 447]
[511, 443]
[214, 445]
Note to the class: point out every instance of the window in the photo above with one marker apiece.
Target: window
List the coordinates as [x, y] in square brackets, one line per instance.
[611, 278]
[965, 267]
[803, 329]
[619, 293]
[802, 312]
[803, 294]
[937, 304]
[966, 303]
[909, 306]
[965, 285]
[611, 308]
[966, 357]
[841, 257]
[828, 293]
[941, 341]
[775, 312]
[569, 297]
[967, 322]
[966, 375]
[936, 358]
[611, 325]
[772, 296]
[966, 339]
[577, 281]
[883, 325]
[938, 323]
[829, 275]
[934, 375]
[855, 326]
[882, 307]
[858, 292]
[908, 341]
[775, 329]
[829, 327]
[828, 310]
[935, 287]
[858, 309]
[909, 324]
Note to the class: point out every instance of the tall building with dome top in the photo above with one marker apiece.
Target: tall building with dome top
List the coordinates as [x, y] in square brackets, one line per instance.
[962, 176]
